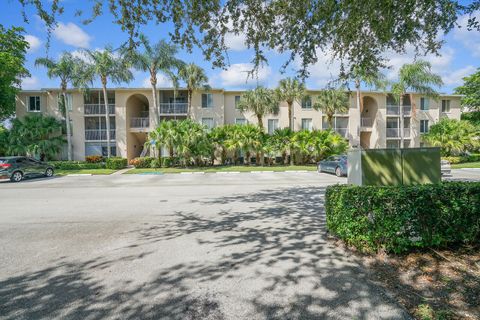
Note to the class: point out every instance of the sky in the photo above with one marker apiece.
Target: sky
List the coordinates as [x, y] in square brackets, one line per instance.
[458, 58]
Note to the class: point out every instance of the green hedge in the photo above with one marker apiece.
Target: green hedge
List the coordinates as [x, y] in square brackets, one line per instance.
[461, 159]
[399, 218]
[116, 163]
[76, 165]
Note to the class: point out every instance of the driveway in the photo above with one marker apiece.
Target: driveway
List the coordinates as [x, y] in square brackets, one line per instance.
[213, 246]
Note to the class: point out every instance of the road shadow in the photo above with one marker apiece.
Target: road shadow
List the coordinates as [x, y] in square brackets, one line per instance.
[273, 261]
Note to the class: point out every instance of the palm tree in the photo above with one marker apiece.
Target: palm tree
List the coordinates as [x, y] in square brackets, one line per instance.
[218, 136]
[166, 134]
[68, 69]
[416, 77]
[35, 134]
[453, 136]
[159, 57]
[109, 66]
[260, 101]
[373, 79]
[290, 90]
[330, 102]
[250, 140]
[195, 79]
[282, 139]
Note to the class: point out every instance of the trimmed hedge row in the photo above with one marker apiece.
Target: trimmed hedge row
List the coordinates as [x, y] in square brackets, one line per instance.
[399, 218]
[462, 159]
[76, 165]
[116, 163]
[151, 162]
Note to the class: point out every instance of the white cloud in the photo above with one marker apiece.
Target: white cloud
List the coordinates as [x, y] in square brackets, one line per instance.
[33, 41]
[235, 42]
[162, 82]
[455, 78]
[30, 83]
[72, 34]
[324, 70]
[469, 39]
[238, 75]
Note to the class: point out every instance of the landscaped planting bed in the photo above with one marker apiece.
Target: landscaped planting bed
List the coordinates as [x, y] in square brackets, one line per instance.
[400, 218]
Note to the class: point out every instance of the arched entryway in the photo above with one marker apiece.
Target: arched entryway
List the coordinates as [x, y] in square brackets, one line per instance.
[368, 117]
[138, 123]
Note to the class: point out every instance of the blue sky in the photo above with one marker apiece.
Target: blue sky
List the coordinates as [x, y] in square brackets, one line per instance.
[459, 57]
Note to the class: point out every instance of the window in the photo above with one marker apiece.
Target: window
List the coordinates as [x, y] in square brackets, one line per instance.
[423, 126]
[240, 121]
[208, 122]
[307, 102]
[99, 149]
[272, 125]
[391, 100]
[307, 124]
[393, 144]
[446, 106]
[207, 100]
[34, 104]
[424, 103]
[237, 100]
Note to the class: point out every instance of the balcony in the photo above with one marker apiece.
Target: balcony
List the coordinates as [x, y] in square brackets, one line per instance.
[407, 110]
[393, 110]
[173, 108]
[98, 109]
[139, 123]
[406, 133]
[393, 132]
[98, 134]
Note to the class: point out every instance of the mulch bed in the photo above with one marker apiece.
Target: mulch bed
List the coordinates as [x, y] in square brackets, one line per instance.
[431, 283]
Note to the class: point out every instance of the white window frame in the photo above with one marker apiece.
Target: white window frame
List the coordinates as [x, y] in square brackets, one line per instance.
[207, 121]
[447, 106]
[39, 104]
[209, 100]
[236, 100]
[426, 104]
[272, 125]
[424, 126]
[309, 105]
[240, 121]
[310, 127]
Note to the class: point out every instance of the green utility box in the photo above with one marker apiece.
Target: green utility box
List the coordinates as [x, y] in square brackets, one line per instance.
[386, 167]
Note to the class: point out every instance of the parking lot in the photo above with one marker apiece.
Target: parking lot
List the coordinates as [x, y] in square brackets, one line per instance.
[179, 246]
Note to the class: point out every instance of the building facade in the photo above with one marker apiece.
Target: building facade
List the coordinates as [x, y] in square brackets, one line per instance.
[376, 124]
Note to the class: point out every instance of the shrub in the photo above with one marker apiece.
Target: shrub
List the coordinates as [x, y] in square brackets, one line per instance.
[94, 159]
[141, 162]
[155, 163]
[116, 163]
[398, 218]
[470, 158]
[76, 165]
[453, 160]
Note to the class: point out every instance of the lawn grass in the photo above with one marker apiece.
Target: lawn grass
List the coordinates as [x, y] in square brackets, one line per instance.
[59, 172]
[466, 165]
[222, 169]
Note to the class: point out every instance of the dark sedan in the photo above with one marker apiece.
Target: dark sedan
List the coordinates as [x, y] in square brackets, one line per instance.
[17, 168]
[334, 164]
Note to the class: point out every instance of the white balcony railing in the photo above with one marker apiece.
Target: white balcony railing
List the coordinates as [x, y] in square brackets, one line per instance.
[94, 108]
[139, 122]
[173, 108]
[99, 134]
[407, 110]
[406, 132]
[393, 132]
[367, 122]
[395, 110]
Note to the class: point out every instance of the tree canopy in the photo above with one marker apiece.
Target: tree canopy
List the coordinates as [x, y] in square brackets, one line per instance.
[13, 48]
[350, 30]
[471, 91]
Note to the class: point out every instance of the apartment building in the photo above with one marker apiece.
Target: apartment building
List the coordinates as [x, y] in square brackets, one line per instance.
[376, 124]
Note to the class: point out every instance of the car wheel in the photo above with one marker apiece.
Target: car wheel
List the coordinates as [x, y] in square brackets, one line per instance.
[17, 176]
[338, 172]
[49, 172]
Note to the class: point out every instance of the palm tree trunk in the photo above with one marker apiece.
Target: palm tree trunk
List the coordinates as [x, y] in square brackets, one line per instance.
[67, 122]
[107, 114]
[260, 121]
[359, 105]
[189, 107]
[290, 116]
[156, 111]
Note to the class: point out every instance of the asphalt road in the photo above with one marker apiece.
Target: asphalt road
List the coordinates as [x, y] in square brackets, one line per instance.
[213, 246]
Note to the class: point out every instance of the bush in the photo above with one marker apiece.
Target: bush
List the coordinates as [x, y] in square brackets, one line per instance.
[155, 163]
[76, 165]
[116, 163]
[470, 158]
[398, 218]
[94, 159]
[141, 162]
[453, 160]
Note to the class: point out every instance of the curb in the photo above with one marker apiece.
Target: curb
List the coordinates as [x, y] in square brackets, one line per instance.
[79, 175]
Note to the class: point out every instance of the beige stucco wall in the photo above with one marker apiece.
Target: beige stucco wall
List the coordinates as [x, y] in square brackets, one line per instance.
[217, 112]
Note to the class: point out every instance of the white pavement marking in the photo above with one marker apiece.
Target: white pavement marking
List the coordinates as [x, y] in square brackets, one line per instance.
[79, 175]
